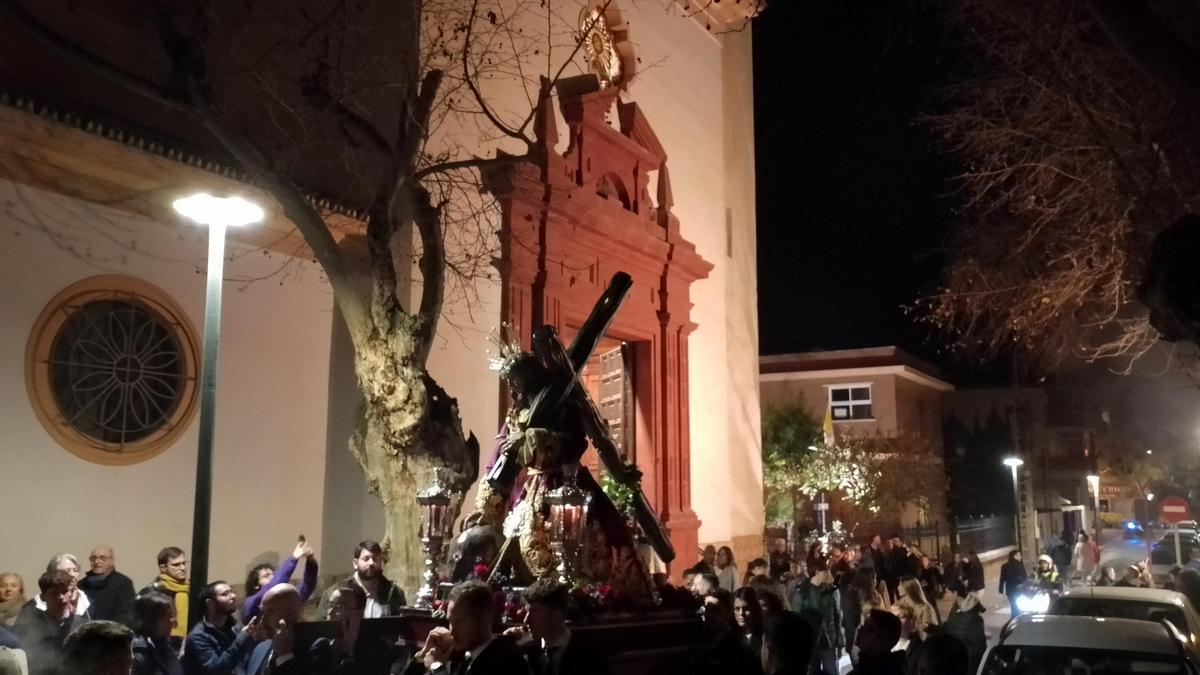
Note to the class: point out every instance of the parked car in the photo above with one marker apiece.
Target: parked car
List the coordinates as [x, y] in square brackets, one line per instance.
[1032, 644]
[1145, 604]
[1162, 555]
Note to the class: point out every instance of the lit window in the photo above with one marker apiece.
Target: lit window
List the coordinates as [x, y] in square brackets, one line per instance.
[852, 402]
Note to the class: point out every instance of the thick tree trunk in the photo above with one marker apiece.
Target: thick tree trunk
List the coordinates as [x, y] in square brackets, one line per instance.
[410, 428]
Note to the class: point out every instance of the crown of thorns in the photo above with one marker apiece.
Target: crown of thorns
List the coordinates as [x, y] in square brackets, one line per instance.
[505, 350]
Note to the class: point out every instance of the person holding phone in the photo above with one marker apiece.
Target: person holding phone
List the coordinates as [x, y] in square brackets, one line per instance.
[263, 578]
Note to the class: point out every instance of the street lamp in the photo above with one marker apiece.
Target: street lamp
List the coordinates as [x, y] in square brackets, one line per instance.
[1015, 463]
[218, 213]
[1094, 485]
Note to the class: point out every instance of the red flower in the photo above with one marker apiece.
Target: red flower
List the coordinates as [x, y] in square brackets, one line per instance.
[604, 591]
[481, 570]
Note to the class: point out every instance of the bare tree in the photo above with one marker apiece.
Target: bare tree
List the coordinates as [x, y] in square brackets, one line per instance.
[388, 103]
[1072, 161]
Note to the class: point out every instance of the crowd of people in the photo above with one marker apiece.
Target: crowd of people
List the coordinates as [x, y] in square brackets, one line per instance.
[878, 603]
[64, 624]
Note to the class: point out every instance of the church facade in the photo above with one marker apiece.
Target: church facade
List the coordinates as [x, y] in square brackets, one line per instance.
[653, 177]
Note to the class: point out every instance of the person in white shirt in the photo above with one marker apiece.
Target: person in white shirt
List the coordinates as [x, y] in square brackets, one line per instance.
[1085, 565]
[79, 601]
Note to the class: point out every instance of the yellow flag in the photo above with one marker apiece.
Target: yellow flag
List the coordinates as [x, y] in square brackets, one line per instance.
[827, 427]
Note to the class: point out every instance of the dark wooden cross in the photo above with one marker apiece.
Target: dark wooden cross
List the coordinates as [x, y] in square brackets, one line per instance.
[565, 365]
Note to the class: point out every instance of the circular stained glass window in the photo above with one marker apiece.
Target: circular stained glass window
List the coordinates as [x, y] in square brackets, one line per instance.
[112, 369]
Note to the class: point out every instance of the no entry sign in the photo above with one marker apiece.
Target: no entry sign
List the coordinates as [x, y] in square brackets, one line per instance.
[1174, 509]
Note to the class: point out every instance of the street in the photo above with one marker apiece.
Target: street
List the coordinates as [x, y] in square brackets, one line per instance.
[1115, 552]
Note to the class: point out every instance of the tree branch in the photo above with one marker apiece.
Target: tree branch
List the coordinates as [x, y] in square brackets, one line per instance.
[1152, 46]
[295, 205]
[319, 97]
[427, 218]
[470, 82]
[472, 163]
[133, 84]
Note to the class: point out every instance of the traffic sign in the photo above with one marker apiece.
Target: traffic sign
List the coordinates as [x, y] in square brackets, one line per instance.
[1174, 509]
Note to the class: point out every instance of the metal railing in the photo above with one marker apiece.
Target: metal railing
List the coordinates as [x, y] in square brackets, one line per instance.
[984, 533]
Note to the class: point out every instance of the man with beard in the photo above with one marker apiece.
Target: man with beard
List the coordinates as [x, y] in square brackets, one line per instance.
[110, 591]
[218, 644]
[384, 598]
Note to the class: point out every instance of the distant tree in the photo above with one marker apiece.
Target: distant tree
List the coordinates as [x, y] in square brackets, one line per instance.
[875, 474]
[787, 433]
[1073, 160]
[880, 475]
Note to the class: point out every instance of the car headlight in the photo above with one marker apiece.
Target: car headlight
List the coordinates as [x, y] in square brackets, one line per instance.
[1035, 604]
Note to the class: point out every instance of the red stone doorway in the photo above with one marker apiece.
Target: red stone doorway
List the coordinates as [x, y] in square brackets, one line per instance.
[569, 222]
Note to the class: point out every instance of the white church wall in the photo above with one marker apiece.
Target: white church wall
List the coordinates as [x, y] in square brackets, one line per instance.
[271, 404]
[696, 92]
[744, 444]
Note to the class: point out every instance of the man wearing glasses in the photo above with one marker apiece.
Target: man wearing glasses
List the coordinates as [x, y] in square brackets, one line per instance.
[172, 582]
[110, 591]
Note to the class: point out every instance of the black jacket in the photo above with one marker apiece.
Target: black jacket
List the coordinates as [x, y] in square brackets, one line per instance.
[968, 627]
[151, 658]
[727, 655]
[973, 576]
[43, 638]
[1012, 575]
[894, 663]
[389, 594]
[111, 595]
[897, 565]
[370, 656]
[261, 657]
[500, 657]
[576, 659]
[781, 564]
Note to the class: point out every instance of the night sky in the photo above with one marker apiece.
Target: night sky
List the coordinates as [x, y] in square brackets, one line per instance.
[853, 195]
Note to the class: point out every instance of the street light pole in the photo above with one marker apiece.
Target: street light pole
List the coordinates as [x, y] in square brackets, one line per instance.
[218, 213]
[1094, 483]
[1014, 463]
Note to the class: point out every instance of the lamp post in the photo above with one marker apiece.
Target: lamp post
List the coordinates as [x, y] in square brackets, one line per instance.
[218, 213]
[1094, 485]
[434, 502]
[568, 523]
[1015, 463]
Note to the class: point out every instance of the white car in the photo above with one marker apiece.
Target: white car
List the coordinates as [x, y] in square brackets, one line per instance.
[1162, 555]
[1144, 604]
[1038, 643]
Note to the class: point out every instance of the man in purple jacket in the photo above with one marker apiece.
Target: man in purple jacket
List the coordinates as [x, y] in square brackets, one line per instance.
[264, 577]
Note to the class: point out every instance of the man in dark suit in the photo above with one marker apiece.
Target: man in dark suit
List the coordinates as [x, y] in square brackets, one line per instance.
[546, 641]
[281, 610]
[468, 647]
[110, 591]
